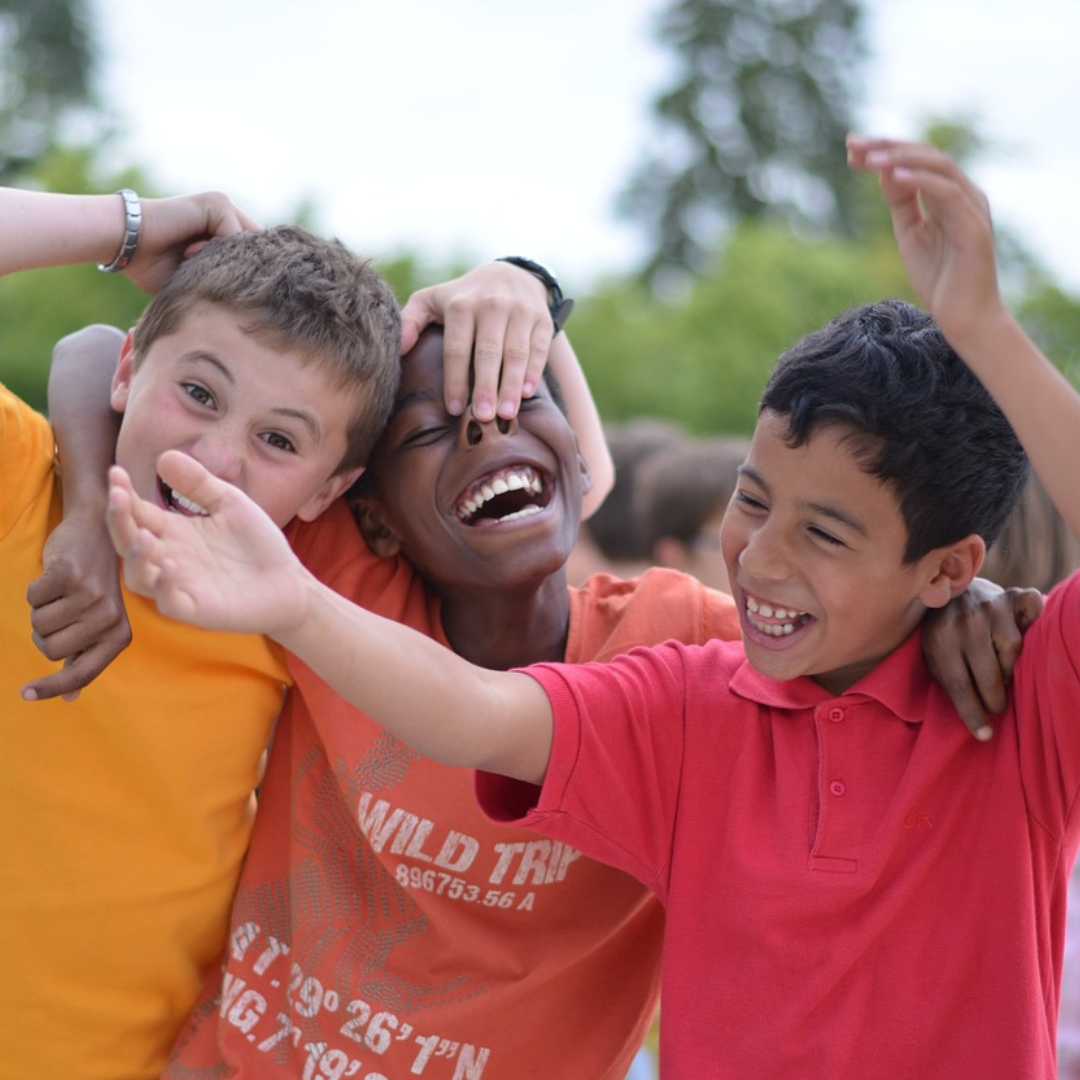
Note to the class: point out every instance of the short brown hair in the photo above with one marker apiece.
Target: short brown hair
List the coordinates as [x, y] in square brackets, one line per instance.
[306, 295]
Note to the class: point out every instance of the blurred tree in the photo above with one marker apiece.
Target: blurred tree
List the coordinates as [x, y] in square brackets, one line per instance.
[46, 77]
[754, 126]
[702, 360]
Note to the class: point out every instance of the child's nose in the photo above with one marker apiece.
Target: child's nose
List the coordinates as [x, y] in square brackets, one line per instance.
[765, 555]
[473, 431]
[221, 455]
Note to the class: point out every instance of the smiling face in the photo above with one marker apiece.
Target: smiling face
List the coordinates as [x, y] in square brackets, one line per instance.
[254, 416]
[471, 505]
[814, 547]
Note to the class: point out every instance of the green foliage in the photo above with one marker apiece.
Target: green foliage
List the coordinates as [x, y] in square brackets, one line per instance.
[701, 361]
[46, 77]
[753, 127]
[1053, 320]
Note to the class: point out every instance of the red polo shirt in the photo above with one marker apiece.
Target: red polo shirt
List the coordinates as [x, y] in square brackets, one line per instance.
[855, 887]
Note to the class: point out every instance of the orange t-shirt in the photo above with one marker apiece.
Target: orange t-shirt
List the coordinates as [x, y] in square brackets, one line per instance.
[384, 927]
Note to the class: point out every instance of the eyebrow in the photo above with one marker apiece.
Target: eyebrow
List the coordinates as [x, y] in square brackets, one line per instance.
[824, 509]
[301, 416]
[417, 397]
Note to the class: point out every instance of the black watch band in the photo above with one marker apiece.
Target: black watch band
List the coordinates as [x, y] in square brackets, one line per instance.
[559, 305]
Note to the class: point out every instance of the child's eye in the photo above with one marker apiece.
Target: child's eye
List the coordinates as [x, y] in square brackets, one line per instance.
[425, 435]
[827, 537]
[279, 441]
[748, 501]
[198, 393]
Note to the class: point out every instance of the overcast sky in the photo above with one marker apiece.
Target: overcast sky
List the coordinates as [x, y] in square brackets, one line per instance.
[480, 128]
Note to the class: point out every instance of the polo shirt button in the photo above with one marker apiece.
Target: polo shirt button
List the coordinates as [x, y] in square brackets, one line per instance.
[836, 715]
[837, 787]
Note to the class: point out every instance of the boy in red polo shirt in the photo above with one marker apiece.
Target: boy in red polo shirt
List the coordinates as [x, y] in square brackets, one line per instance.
[854, 887]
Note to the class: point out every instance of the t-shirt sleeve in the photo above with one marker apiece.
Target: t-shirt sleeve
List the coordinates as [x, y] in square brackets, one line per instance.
[611, 615]
[1046, 697]
[617, 756]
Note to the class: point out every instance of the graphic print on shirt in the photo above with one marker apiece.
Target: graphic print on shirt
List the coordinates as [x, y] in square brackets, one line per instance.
[313, 976]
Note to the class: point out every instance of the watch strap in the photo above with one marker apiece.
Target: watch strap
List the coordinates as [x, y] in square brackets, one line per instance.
[558, 305]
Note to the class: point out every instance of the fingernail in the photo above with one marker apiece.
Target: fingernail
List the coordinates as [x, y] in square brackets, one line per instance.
[527, 389]
[984, 734]
[455, 407]
[506, 410]
[483, 411]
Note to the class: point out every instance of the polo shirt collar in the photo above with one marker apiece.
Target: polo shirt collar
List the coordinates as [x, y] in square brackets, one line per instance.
[901, 683]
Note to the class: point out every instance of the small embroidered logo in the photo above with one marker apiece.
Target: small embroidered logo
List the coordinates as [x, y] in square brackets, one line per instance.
[918, 817]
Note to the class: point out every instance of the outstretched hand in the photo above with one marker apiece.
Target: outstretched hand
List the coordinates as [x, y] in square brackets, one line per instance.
[942, 225]
[175, 229]
[495, 320]
[228, 569]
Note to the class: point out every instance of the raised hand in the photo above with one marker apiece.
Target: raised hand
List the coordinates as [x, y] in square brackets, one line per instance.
[942, 225]
[176, 228]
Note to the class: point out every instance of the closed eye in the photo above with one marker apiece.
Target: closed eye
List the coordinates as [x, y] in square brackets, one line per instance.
[827, 537]
[424, 436]
[748, 501]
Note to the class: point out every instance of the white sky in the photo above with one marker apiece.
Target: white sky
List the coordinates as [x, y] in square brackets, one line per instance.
[481, 128]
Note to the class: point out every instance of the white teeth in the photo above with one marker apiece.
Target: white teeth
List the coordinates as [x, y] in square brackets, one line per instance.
[788, 618]
[189, 505]
[520, 479]
[527, 511]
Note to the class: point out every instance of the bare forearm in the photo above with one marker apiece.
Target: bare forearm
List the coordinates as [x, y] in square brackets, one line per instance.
[424, 694]
[1041, 405]
[83, 420]
[584, 419]
[42, 229]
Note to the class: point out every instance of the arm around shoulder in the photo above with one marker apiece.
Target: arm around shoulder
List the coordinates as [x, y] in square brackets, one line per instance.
[232, 569]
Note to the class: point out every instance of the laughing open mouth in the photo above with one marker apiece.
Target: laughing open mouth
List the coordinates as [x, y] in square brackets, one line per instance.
[178, 503]
[774, 621]
[507, 495]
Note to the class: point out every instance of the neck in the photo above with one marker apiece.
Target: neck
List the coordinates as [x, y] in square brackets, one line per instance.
[509, 628]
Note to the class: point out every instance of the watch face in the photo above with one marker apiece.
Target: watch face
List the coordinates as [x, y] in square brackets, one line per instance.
[560, 313]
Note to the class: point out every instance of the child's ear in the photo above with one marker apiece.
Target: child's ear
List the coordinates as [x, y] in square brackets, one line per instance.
[952, 569]
[328, 493]
[121, 380]
[380, 537]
